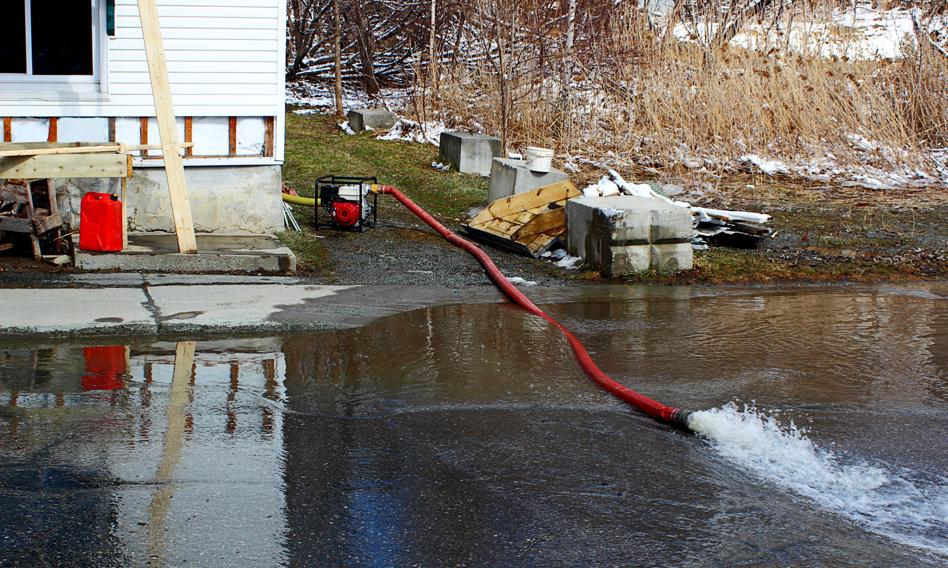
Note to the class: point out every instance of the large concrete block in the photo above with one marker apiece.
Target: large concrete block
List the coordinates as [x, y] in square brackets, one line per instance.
[469, 153]
[224, 200]
[510, 177]
[624, 235]
[370, 118]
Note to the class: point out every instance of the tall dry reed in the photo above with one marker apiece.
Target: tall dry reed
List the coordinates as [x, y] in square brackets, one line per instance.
[648, 99]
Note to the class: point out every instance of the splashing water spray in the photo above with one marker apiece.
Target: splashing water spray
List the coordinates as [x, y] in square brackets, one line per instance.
[890, 503]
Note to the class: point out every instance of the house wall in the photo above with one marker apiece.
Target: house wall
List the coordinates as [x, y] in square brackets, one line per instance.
[226, 63]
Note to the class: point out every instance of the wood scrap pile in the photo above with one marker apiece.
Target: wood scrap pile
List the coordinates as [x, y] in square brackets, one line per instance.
[528, 223]
[729, 228]
[28, 207]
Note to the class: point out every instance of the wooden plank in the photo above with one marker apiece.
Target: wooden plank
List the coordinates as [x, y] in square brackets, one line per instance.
[7, 129]
[85, 149]
[67, 150]
[189, 136]
[64, 166]
[232, 136]
[143, 133]
[5, 246]
[53, 130]
[46, 223]
[111, 129]
[122, 196]
[525, 201]
[268, 126]
[13, 193]
[164, 110]
[553, 220]
[16, 224]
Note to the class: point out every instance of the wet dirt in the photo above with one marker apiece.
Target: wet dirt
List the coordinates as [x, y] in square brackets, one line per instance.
[466, 435]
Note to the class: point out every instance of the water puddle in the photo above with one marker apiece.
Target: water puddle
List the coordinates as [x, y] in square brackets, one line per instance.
[466, 434]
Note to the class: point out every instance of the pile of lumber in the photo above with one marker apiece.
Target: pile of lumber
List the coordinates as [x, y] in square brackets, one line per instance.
[529, 223]
[28, 207]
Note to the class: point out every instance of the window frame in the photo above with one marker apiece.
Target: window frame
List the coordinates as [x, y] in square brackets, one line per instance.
[27, 85]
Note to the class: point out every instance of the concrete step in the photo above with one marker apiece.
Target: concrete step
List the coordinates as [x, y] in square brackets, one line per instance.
[158, 252]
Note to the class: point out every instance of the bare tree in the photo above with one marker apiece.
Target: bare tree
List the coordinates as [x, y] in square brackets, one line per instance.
[303, 32]
[337, 56]
[432, 61]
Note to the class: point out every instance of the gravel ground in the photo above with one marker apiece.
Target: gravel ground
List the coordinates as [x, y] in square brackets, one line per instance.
[403, 250]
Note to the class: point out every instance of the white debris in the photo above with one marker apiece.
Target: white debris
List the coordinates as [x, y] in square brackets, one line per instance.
[518, 281]
[591, 191]
[637, 189]
[346, 128]
[705, 213]
[607, 187]
[440, 167]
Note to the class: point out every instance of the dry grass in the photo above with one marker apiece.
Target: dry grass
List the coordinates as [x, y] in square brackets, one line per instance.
[665, 103]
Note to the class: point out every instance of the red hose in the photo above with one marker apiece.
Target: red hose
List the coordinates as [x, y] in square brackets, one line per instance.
[668, 414]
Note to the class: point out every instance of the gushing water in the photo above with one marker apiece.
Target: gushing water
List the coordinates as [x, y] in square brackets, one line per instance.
[894, 503]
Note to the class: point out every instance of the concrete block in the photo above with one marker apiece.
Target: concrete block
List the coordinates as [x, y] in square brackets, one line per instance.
[361, 119]
[624, 235]
[510, 177]
[469, 153]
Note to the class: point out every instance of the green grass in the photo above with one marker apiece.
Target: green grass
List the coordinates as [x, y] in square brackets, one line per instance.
[315, 146]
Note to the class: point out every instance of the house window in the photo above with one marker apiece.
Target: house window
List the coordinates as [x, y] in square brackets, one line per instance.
[48, 39]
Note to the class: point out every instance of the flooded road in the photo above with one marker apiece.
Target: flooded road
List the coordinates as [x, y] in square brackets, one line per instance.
[467, 435]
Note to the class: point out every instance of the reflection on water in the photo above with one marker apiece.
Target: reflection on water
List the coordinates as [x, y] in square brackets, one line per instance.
[467, 435]
[170, 436]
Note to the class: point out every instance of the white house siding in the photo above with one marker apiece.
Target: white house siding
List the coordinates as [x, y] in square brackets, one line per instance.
[226, 66]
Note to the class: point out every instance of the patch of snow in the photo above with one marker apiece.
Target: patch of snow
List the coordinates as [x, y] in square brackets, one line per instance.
[410, 131]
[319, 97]
[570, 262]
[769, 167]
[857, 32]
[518, 281]
[440, 167]
[346, 128]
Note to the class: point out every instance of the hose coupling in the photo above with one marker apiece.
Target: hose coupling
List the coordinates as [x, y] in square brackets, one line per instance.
[679, 419]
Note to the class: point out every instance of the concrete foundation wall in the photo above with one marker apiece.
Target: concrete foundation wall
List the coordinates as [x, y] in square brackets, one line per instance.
[226, 199]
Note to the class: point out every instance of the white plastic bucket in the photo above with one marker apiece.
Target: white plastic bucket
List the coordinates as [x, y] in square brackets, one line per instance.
[539, 159]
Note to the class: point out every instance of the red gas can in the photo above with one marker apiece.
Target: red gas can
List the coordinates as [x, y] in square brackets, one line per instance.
[100, 222]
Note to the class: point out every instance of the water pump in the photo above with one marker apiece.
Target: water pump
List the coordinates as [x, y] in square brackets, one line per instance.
[346, 200]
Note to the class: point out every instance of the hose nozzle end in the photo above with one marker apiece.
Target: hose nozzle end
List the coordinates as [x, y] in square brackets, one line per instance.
[680, 419]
